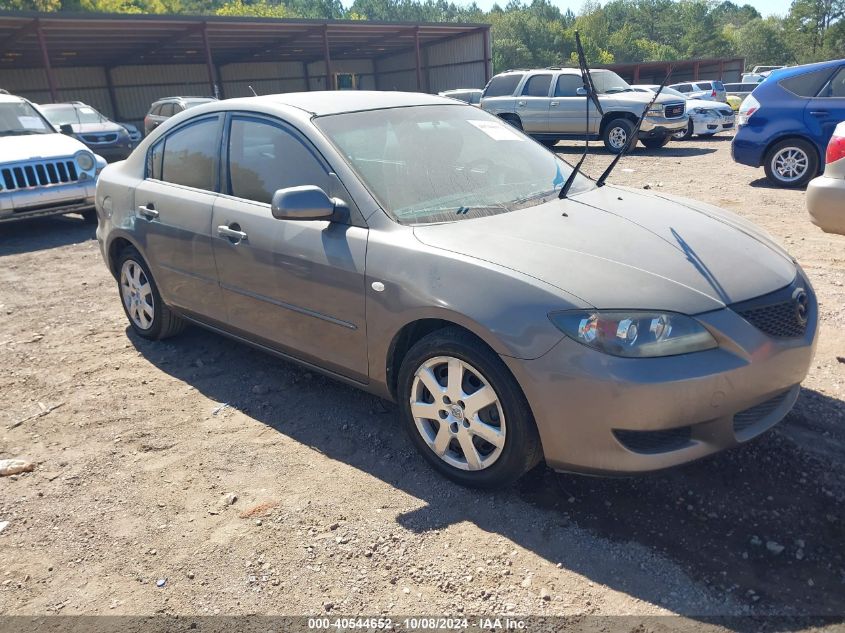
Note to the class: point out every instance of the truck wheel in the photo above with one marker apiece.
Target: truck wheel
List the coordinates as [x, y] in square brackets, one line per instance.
[791, 163]
[550, 143]
[657, 142]
[684, 134]
[616, 135]
[90, 216]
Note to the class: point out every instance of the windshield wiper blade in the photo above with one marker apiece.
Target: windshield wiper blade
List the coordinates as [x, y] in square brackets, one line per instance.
[632, 140]
[592, 96]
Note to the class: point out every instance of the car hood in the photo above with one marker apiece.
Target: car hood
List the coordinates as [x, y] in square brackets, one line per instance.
[641, 97]
[34, 146]
[707, 105]
[622, 248]
[95, 128]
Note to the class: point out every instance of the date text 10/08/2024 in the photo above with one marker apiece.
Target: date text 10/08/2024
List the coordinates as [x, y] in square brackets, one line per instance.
[416, 624]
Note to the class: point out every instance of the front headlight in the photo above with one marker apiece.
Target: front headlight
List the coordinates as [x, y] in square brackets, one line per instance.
[635, 334]
[655, 110]
[85, 160]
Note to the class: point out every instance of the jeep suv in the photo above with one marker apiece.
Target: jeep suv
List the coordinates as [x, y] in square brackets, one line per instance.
[551, 105]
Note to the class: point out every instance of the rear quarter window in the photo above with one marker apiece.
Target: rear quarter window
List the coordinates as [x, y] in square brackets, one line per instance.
[807, 84]
[706, 85]
[503, 85]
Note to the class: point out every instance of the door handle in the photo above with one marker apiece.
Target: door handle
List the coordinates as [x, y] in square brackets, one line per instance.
[520, 103]
[148, 211]
[821, 114]
[554, 103]
[234, 234]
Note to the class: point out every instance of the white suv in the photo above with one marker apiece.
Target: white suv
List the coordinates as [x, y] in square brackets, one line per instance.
[42, 172]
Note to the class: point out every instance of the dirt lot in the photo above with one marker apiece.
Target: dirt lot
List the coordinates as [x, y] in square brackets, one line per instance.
[335, 513]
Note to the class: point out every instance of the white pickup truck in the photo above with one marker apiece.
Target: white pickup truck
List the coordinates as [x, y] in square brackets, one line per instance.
[42, 172]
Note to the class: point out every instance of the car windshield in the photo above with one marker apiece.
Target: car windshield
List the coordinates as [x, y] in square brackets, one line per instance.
[608, 82]
[669, 91]
[19, 118]
[444, 163]
[69, 114]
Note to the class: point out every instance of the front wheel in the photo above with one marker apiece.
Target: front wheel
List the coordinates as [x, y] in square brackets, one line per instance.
[656, 142]
[616, 135]
[464, 411]
[791, 163]
[686, 133]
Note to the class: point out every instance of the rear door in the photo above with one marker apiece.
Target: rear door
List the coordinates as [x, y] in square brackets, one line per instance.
[532, 105]
[297, 286]
[827, 109]
[568, 109]
[173, 208]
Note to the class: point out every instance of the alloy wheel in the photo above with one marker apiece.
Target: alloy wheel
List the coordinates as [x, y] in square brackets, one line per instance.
[458, 413]
[137, 294]
[790, 164]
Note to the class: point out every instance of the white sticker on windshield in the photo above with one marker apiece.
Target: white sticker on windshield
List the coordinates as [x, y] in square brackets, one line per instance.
[31, 123]
[497, 131]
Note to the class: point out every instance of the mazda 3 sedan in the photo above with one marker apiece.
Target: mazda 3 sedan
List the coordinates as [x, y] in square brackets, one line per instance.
[430, 253]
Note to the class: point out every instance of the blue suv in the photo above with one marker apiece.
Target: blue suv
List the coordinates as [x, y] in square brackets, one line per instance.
[784, 125]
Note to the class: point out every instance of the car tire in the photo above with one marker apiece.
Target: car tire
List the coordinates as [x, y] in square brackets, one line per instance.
[791, 163]
[454, 425]
[148, 315]
[686, 133]
[90, 216]
[656, 143]
[616, 134]
[549, 143]
[513, 120]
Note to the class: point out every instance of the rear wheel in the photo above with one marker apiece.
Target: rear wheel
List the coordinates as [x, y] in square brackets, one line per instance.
[90, 216]
[550, 143]
[656, 142]
[147, 313]
[465, 412]
[791, 163]
[616, 135]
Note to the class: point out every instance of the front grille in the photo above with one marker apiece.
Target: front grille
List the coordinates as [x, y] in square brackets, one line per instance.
[653, 442]
[674, 110]
[95, 139]
[783, 313]
[40, 173]
[748, 418]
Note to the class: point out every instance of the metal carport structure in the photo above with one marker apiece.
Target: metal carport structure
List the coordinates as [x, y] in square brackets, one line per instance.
[120, 63]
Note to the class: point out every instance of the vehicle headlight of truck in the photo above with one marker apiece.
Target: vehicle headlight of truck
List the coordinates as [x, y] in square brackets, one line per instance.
[635, 334]
[655, 111]
[85, 160]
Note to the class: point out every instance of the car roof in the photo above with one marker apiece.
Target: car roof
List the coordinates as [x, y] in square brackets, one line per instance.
[6, 98]
[792, 71]
[319, 103]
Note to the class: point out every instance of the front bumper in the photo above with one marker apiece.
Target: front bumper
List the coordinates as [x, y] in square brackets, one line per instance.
[653, 127]
[826, 203]
[607, 415]
[712, 124]
[36, 202]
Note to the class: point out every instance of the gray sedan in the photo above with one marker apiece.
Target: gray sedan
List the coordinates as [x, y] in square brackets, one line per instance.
[419, 248]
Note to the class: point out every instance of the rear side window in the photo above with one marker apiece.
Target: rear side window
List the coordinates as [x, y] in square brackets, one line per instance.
[503, 85]
[156, 110]
[166, 109]
[808, 84]
[264, 157]
[683, 88]
[836, 86]
[705, 86]
[537, 86]
[190, 155]
[154, 161]
[567, 85]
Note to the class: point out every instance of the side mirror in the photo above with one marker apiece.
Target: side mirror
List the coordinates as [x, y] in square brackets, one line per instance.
[581, 92]
[304, 203]
[66, 128]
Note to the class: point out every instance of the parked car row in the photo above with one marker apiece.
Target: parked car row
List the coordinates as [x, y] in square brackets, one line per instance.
[706, 117]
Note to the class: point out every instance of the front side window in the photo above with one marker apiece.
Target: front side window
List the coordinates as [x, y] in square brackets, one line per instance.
[190, 154]
[446, 163]
[503, 85]
[567, 85]
[265, 157]
[537, 86]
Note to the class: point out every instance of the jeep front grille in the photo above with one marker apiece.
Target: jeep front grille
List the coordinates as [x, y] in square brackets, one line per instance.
[40, 173]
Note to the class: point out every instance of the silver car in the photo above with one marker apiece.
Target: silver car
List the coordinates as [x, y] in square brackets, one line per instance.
[419, 248]
[706, 90]
[551, 104]
[706, 118]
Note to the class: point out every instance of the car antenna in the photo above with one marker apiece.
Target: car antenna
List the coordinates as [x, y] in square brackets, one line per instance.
[252, 90]
[590, 87]
[632, 139]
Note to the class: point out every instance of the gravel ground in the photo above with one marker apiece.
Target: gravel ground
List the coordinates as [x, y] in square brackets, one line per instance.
[251, 486]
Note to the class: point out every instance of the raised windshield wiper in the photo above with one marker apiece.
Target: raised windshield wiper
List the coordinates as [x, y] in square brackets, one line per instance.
[592, 95]
[632, 139]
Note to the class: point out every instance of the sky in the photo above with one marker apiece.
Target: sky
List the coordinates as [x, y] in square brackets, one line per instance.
[766, 7]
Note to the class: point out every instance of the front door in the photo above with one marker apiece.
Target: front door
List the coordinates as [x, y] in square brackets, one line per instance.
[298, 286]
[568, 109]
[173, 207]
[532, 105]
